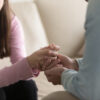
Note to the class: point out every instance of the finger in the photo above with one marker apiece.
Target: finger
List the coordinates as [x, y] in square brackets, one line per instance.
[48, 61]
[53, 80]
[53, 54]
[62, 57]
[55, 83]
[47, 52]
[52, 47]
[50, 79]
[47, 58]
[47, 73]
[59, 65]
[46, 64]
[53, 64]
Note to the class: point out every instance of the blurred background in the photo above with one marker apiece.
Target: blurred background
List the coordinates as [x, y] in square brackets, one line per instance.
[62, 22]
[51, 21]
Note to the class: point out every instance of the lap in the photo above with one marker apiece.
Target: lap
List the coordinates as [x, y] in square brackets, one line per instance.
[21, 91]
[60, 95]
[2, 94]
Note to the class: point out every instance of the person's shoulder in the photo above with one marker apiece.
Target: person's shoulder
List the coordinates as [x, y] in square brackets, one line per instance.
[14, 19]
[15, 22]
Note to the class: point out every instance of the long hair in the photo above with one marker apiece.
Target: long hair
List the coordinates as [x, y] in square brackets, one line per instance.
[5, 28]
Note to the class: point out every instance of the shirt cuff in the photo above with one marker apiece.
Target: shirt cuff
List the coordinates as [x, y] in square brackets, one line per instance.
[67, 77]
[34, 72]
[79, 61]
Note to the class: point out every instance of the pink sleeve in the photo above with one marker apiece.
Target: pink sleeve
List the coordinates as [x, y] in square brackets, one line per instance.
[17, 44]
[18, 71]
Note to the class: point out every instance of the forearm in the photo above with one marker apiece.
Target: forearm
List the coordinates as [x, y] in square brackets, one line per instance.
[17, 45]
[16, 72]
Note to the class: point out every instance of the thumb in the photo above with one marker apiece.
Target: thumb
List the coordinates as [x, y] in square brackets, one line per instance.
[61, 57]
[64, 59]
[54, 47]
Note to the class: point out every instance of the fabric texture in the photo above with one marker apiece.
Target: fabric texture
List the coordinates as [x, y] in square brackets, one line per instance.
[22, 90]
[60, 95]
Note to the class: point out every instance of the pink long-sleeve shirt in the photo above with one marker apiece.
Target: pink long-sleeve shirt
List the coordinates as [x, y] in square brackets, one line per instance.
[20, 69]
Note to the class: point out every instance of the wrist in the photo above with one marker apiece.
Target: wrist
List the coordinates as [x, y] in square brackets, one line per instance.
[34, 70]
[29, 61]
[75, 65]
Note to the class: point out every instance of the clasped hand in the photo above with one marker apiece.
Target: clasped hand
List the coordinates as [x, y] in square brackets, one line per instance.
[53, 64]
[54, 71]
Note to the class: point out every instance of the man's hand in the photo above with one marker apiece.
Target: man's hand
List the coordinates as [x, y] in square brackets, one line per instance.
[54, 74]
[40, 57]
[68, 62]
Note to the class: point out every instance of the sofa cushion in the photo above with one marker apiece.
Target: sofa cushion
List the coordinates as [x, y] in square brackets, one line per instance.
[64, 23]
[35, 37]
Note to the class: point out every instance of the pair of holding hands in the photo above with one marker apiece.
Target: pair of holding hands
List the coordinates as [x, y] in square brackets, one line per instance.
[53, 64]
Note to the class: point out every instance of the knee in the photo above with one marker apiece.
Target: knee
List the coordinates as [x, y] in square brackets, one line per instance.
[60, 95]
[29, 84]
[52, 96]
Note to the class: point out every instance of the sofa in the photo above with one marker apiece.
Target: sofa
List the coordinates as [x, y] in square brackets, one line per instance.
[51, 21]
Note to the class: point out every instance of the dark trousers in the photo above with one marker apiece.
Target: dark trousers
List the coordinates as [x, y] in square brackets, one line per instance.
[23, 90]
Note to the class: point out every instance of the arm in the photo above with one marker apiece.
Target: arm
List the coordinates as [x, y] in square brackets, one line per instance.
[17, 44]
[24, 68]
[14, 73]
[85, 83]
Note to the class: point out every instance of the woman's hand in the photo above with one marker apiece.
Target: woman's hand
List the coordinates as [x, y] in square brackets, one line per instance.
[40, 57]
